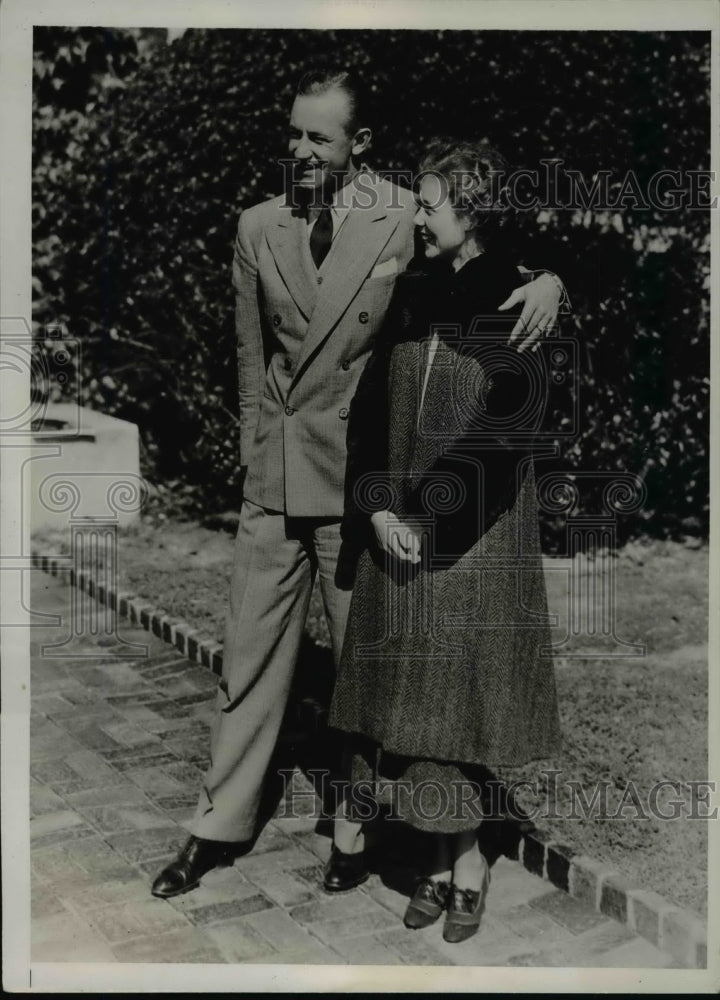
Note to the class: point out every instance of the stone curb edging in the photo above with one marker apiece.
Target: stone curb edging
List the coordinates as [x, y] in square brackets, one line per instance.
[192, 643]
[670, 928]
[666, 926]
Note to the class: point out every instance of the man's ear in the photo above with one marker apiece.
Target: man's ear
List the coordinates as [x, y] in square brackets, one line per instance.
[361, 141]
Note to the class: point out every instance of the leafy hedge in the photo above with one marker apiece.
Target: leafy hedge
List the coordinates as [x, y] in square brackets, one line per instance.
[137, 190]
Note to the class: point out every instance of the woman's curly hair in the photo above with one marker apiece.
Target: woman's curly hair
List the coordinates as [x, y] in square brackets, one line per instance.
[475, 175]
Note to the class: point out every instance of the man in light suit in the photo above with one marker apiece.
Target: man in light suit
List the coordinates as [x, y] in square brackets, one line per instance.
[313, 273]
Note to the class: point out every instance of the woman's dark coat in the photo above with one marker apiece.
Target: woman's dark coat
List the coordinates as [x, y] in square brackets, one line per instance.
[449, 659]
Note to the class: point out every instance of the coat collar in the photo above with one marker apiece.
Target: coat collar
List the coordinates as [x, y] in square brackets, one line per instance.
[486, 266]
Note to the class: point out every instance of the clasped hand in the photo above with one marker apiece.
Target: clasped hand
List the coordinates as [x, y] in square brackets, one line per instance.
[396, 537]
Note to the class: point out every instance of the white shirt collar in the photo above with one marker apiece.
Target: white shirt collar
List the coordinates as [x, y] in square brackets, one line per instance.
[342, 200]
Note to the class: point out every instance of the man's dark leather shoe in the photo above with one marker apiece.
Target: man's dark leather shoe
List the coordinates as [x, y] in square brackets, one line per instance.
[345, 871]
[195, 859]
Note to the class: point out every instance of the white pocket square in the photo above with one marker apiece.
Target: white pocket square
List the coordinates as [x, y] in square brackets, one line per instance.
[387, 267]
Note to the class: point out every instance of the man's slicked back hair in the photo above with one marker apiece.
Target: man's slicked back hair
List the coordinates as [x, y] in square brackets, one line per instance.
[319, 81]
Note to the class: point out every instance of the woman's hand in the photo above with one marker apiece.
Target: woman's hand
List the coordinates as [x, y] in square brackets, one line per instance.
[401, 539]
[541, 303]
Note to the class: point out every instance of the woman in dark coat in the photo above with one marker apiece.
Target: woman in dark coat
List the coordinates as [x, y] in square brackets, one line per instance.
[446, 669]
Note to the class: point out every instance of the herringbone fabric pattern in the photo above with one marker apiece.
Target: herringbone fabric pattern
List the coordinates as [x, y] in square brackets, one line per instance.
[444, 660]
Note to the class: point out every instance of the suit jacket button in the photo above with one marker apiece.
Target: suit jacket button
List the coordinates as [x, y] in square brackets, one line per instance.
[343, 414]
[289, 410]
[346, 366]
[363, 317]
[276, 320]
[319, 279]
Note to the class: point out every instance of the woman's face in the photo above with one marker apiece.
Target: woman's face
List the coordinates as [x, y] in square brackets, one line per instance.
[441, 229]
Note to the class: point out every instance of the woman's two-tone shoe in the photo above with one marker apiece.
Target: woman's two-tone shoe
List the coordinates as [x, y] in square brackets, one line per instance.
[464, 911]
[427, 903]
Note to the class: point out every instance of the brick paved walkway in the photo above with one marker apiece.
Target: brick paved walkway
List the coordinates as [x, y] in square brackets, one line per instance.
[118, 746]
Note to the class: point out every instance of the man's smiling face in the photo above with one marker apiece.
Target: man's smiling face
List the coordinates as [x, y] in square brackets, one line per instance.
[319, 142]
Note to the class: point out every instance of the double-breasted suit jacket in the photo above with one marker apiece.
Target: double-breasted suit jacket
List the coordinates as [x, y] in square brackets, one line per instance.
[304, 336]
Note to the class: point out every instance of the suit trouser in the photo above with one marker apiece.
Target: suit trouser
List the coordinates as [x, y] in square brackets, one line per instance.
[275, 564]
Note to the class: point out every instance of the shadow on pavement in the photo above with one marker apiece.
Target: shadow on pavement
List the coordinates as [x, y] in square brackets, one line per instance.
[307, 743]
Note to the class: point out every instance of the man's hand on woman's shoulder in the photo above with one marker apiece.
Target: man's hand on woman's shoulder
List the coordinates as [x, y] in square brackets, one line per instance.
[540, 300]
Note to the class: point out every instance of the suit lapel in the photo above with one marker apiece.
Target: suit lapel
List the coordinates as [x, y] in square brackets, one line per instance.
[288, 244]
[352, 256]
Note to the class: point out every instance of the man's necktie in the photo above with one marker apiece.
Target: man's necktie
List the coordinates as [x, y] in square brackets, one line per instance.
[321, 236]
